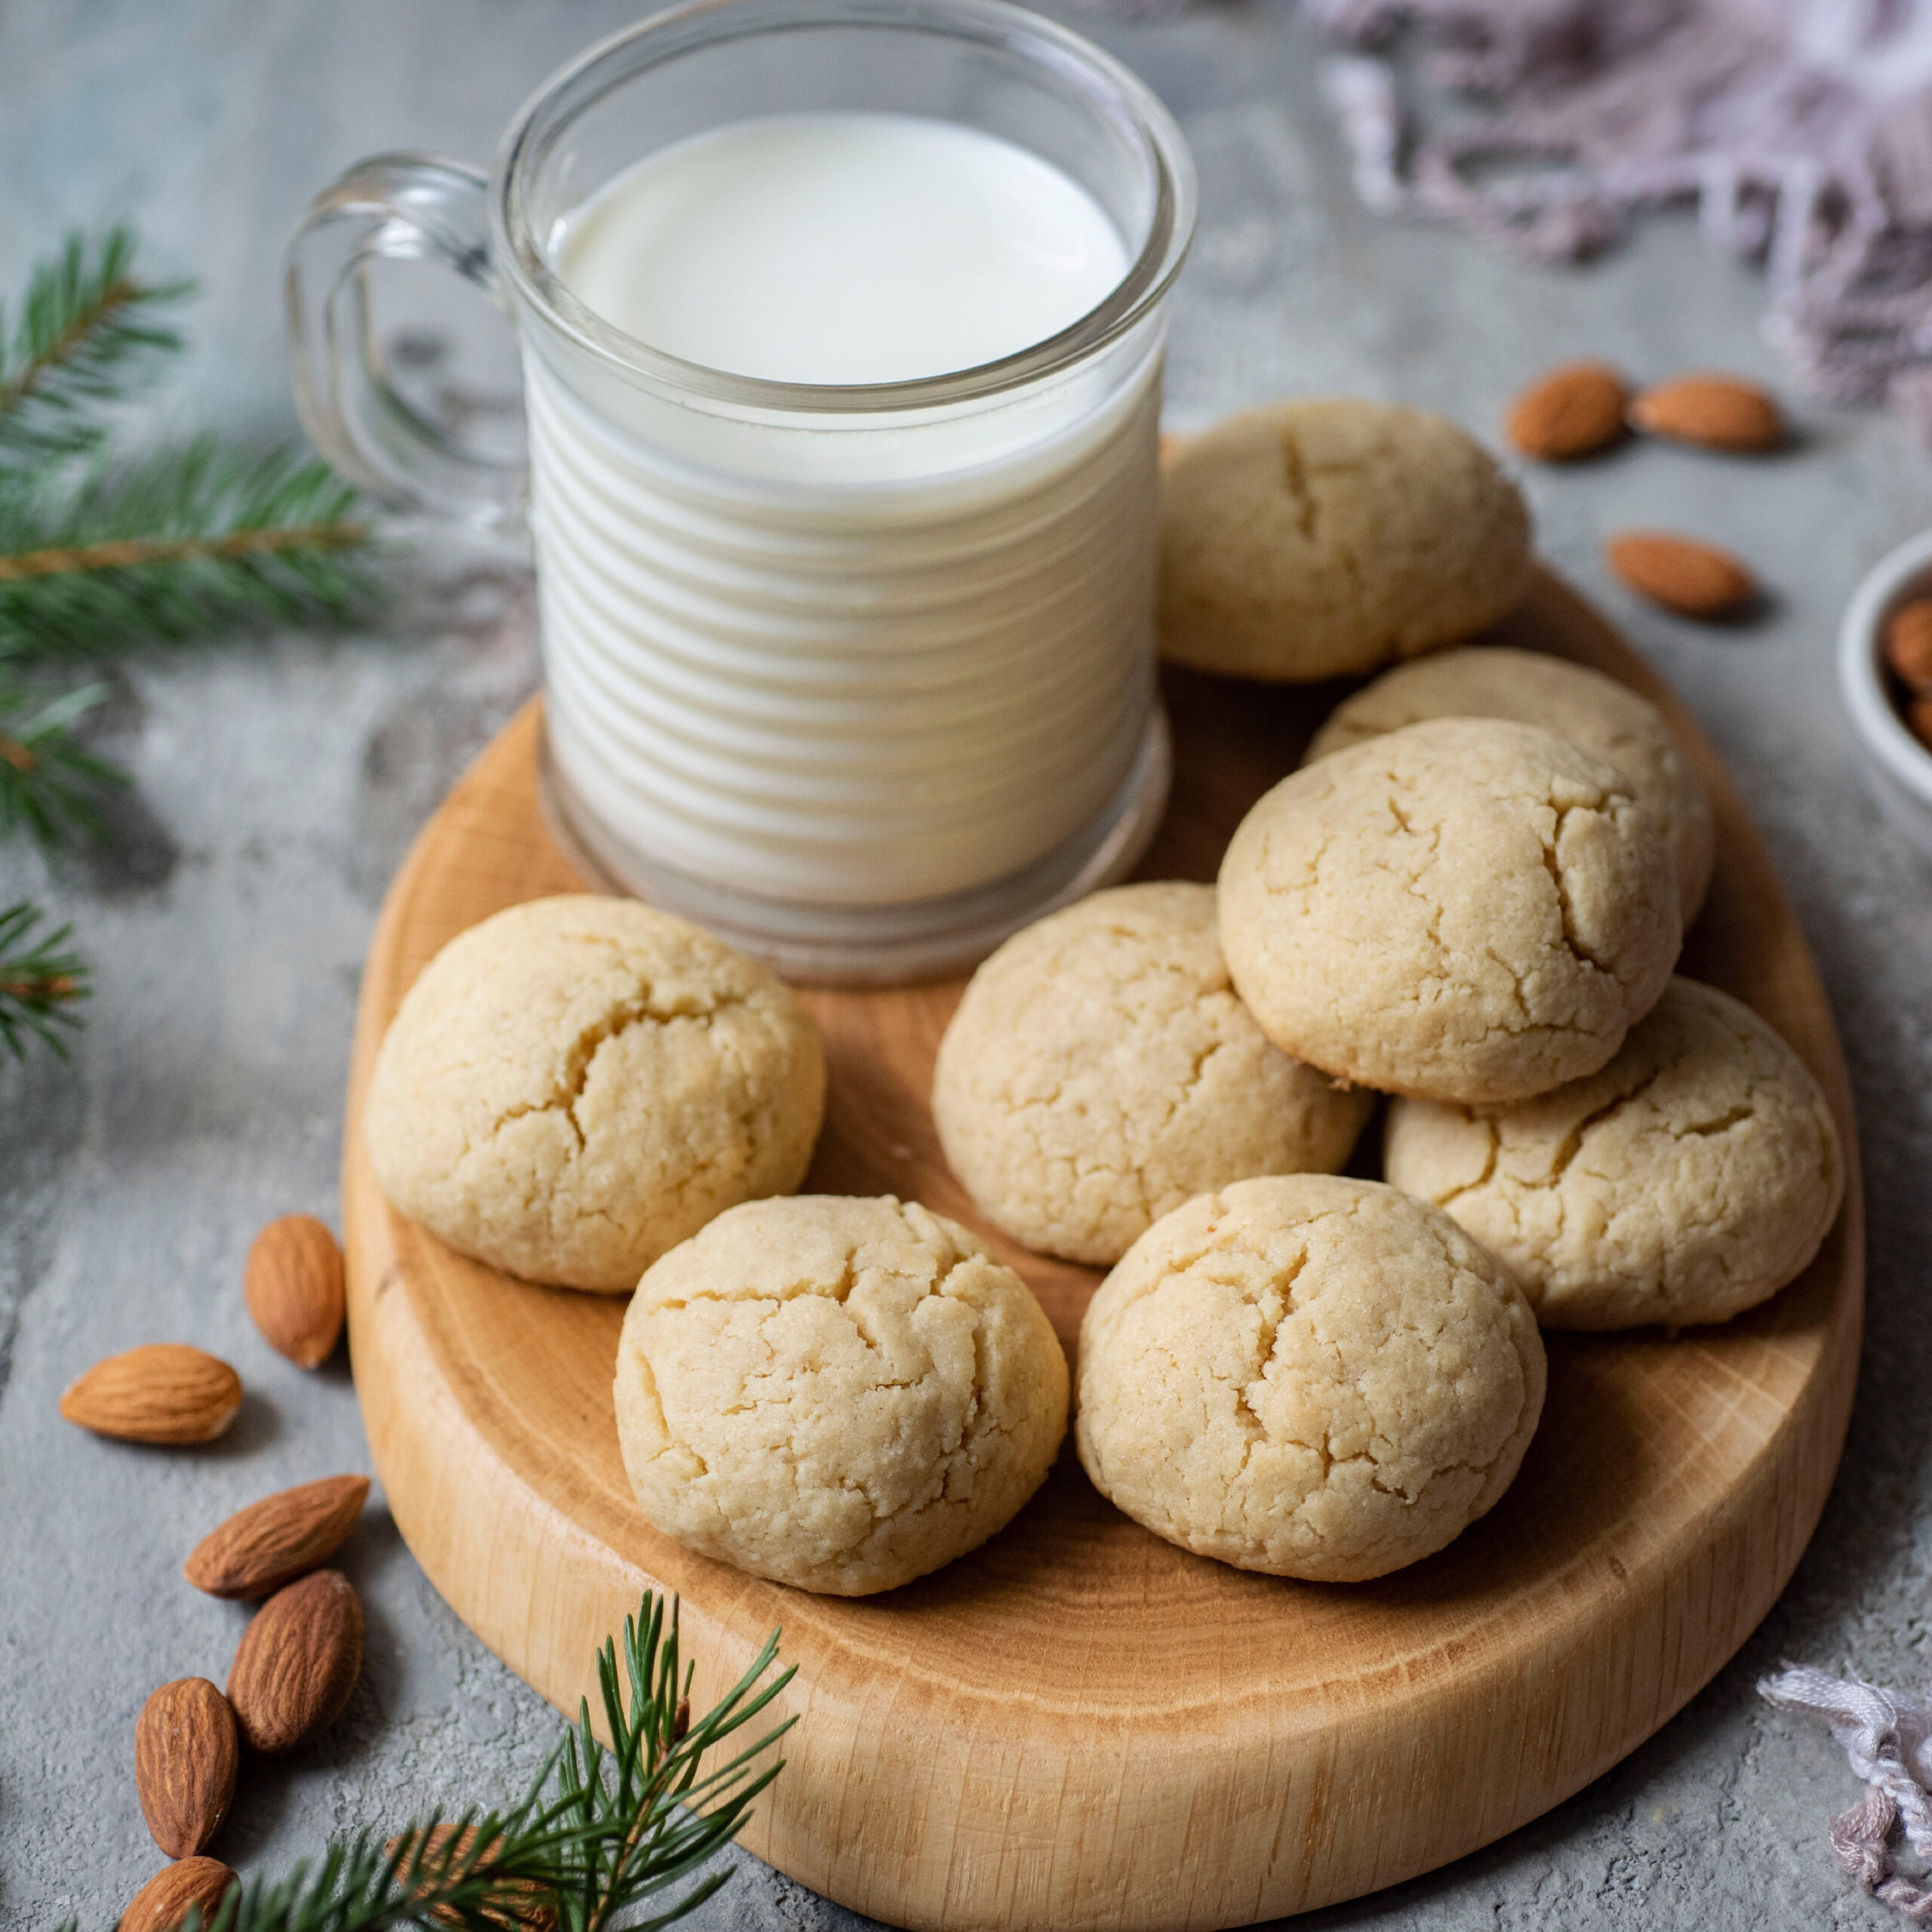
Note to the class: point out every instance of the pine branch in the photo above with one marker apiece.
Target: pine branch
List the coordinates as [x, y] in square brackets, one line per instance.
[186, 544]
[49, 783]
[87, 323]
[652, 1791]
[40, 984]
[618, 1829]
[189, 543]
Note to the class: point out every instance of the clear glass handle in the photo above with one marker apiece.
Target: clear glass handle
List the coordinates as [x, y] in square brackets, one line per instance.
[393, 207]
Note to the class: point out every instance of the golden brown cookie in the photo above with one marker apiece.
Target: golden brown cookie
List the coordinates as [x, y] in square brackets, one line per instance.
[1492, 680]
[1464, 909]
[578, 1084]
[1310, 1376]
[1327, 536]
[1687, 1181]
[836, 1393]
[1100, 1070]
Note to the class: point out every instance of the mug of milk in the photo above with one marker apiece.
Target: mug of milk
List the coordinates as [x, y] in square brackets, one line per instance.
[841, 324]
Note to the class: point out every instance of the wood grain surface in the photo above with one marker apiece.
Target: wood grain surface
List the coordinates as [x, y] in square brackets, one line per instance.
[1078, 1725]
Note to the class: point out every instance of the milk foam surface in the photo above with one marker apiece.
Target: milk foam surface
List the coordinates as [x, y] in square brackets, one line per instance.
[841, 248]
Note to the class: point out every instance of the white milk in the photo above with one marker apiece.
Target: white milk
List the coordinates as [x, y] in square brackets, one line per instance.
[853, 659]
[842, 248]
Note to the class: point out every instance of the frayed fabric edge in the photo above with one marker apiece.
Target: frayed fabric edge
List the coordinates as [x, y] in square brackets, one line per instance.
[1800, 144]
[1886, 1737]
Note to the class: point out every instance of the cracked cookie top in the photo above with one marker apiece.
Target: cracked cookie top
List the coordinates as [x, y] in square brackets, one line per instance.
[1100, 1070]
[577, 1084]
[1310, 1376]
[1327, 536]
[1464, 909]
[1492, 680]
[837, 1393]
[1687, 1181]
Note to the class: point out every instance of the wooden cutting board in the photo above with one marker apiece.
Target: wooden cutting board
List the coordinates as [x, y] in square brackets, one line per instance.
[1079, 1726]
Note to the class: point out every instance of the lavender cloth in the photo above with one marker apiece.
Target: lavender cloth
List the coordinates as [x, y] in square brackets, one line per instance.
[1887, 1736]
[1802, 129]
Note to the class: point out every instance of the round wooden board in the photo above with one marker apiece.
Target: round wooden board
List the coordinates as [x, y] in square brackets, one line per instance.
[1078, 1725]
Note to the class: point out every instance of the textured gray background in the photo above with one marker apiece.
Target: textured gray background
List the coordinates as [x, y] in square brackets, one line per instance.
[281, 781]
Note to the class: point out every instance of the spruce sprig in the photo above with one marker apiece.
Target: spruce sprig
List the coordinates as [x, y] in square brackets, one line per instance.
[638, 1813]
[86, 325]
[40, 983]
[98, 557]
[599, 1834]
[185, 544]
[50, 783]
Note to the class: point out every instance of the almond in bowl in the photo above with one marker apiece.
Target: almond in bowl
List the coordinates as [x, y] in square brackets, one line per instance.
[1878, 643]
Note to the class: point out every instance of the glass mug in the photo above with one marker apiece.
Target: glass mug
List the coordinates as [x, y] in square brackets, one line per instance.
[860, 677]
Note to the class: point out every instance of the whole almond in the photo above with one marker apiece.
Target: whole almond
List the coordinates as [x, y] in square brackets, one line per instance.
[272, 1542]
[512, 1908]
[1697, 579]
[1909, 643]
[1718, 412]
[163, 1901]
[164, 1392]
[297, 1662]
[294, 1287]
[1569, 411]
[185, 1753]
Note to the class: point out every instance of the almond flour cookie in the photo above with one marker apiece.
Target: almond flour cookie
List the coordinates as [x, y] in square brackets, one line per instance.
[1101, 1071]
[1688, 1180]
[1308, 1376]
[1324, 536]
[839, 1393]
[1465, 910]
[1491, 681]
[577, 1084]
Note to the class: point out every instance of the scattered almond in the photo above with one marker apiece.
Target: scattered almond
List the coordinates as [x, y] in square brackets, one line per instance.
[1718, 412]
[163, 1901]
[512, 1912]
[1909, 643]
[272, 1542]
[297, 1662]
[1569, 411]
[1698, 579]
[185, 1753]
[294, 1286]
[164, 1392]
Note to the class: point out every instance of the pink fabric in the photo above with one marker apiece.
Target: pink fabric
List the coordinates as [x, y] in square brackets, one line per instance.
[1887, 1738]
[1802, 129]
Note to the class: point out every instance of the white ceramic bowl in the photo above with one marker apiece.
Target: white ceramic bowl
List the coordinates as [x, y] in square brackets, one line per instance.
[1897, 767]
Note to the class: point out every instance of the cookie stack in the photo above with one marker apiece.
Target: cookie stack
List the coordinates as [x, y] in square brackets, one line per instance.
[1470, 899]
[1330, 1377]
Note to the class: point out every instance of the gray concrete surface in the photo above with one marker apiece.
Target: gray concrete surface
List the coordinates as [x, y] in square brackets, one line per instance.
[280, 781]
